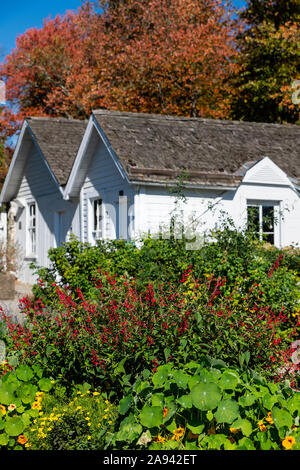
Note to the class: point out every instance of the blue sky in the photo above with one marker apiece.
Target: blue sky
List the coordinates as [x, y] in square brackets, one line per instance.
[16, 16]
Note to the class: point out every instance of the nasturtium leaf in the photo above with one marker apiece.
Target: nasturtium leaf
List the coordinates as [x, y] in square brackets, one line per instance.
[206, 396]
[245, 444]
[27, 392]
[216, 441]
[37, 370]
[6, 397]
[227, 412]
[282, 418]
[269, 401]
[228, 381]
[151, 416]
[124, 404]
[172, 426]
[14, 426]
[161, 376]
[24, 373]
[158, 399]
[4, 439]
[293, 403]
[247, 400]
[181, 378]
[195, 429]
[45, 384]
[244, 425]
[129, 429]
[194, 380]
[185, 401]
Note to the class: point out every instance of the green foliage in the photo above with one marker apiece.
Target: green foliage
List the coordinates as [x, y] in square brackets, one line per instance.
[21, 392]
[269, 62]
[227, 253]
[205, 405]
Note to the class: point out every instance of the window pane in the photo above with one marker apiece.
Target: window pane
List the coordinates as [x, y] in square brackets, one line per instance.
[268, 219]
[97, 215]
[253, 218]
[269, 238]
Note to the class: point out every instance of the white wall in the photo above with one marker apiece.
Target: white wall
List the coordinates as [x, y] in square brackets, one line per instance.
[105, 181]
[154, 206]
[38, 186]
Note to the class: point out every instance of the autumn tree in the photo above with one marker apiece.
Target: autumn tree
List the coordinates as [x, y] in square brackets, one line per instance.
[158, 56]
[269, 62]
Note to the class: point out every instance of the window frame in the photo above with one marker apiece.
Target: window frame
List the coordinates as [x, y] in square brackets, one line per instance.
[276, 219]
[31, 228]
[94, 229]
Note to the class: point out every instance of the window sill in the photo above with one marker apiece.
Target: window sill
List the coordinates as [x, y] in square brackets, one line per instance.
[31, 257]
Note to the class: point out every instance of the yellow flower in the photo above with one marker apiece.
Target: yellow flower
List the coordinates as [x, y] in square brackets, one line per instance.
[288, 442]
[2, 409]
[160, 438]
[89, 437]
[262, 426]
[96, 393]
[36, 405]
[269, 418]
[178, 433]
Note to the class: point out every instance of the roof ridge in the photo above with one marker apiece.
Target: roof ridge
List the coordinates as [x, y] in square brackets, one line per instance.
[56, 119]
[189, 118]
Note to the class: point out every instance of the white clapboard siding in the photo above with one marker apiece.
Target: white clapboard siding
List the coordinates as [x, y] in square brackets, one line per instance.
[37, 185]
[103, 180]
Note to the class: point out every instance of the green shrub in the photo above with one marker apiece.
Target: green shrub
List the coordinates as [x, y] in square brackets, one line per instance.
[77, 423]
[226, 253]
[205, 405]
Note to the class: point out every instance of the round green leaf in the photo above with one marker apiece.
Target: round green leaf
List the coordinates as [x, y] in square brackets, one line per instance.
[281, 418]
[27, 392]
[162, 374]
[244, 425]
[14, 426]
[228, 381]
[151, 416]
[24, 373]
[181, 379]
[206, 396]
[45, 384]
[185, 401]
[4, 439]
[124, 404]
[6, 397]
[227, 412]
[129, 429]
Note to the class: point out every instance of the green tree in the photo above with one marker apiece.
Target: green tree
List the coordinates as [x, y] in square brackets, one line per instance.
[269, 62]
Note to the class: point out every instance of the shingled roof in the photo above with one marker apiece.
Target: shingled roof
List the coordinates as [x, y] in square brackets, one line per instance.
[157, 148]
[59, 140]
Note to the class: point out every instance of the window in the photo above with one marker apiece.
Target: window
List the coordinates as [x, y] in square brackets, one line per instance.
[32, 228]
[261, 221]
[98, 219]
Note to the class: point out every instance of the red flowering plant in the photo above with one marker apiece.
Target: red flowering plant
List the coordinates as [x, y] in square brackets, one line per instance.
[90, 340]
[124, 331]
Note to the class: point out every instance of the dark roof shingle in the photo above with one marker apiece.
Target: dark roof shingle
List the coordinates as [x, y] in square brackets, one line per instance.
[59, 140]
[157, 147]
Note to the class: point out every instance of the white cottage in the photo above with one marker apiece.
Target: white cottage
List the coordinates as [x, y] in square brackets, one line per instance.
[118, 176]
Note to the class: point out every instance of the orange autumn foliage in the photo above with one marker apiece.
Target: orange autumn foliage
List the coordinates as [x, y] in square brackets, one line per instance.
[159, 56]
